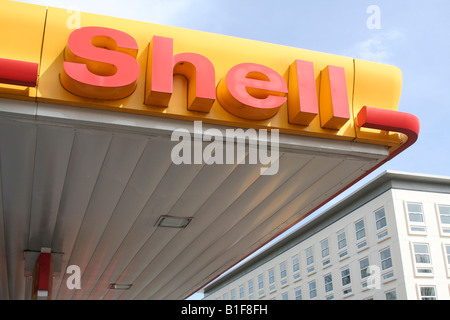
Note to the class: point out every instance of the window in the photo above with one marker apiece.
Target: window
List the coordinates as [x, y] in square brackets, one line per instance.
[380, 218]
[380, 223]
[360, 234]
[285, 296]
[422, 253]
[362, 245]
[296, 267]
[427, 293]
[415, 218]
[271, 279]
[360, 230]
[271, 276]
[225, 296]
[283, 273]
[345, 276]
[325, 248]
[342, 244]
[298, 294]
[342, 241]
[328, 280]
[241, 291]
[309, 256]
[386, 265]
[310, 259]
[261, 285]
[422, 259]
[415, 212]
[346, 291]
[312, 289]
[343, 254]
[386, 259]
[447, 250]
[325, 252]
[233, 294]
[250, 286]
[391, 295]
[260, 282]
[447, 257]
[364, 267]
[444, 219]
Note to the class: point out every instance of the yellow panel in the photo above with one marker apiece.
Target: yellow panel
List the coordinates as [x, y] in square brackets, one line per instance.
[223, 51]
[377, 85]
[22, 28]
[367, 83]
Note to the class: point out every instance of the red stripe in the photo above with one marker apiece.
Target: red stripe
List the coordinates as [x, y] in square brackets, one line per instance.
[43, 283]
[20, 73]
[390, 120]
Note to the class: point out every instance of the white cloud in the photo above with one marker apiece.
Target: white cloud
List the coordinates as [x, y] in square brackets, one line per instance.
[379, 48]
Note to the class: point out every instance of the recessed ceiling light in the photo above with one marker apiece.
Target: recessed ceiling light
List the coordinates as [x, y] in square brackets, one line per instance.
[173, 222]
[118, 286]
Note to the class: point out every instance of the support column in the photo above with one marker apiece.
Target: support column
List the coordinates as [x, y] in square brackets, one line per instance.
[43, 276]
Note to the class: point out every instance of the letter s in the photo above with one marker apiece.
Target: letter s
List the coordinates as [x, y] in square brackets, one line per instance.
[100, 63]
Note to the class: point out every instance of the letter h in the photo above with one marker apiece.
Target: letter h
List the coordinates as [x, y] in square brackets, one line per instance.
[163, 64]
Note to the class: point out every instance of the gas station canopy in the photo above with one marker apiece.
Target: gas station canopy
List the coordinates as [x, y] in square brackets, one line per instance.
[93, 203]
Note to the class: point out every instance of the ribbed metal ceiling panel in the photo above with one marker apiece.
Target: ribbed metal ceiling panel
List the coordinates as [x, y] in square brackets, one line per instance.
[91, 186]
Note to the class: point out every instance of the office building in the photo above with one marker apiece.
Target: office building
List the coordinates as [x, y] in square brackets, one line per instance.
[388, 240]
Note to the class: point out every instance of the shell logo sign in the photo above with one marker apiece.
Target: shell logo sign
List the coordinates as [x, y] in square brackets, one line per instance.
[136, 67]
[100, 63]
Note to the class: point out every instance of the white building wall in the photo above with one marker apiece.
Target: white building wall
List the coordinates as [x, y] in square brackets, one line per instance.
[433, 237]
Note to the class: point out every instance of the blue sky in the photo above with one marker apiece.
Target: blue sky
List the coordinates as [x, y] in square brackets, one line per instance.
[413, 35]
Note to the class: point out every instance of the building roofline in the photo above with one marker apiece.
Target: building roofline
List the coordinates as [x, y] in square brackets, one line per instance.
[383, 182]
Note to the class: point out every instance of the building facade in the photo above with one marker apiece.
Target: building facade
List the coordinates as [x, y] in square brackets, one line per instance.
[389, 240]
